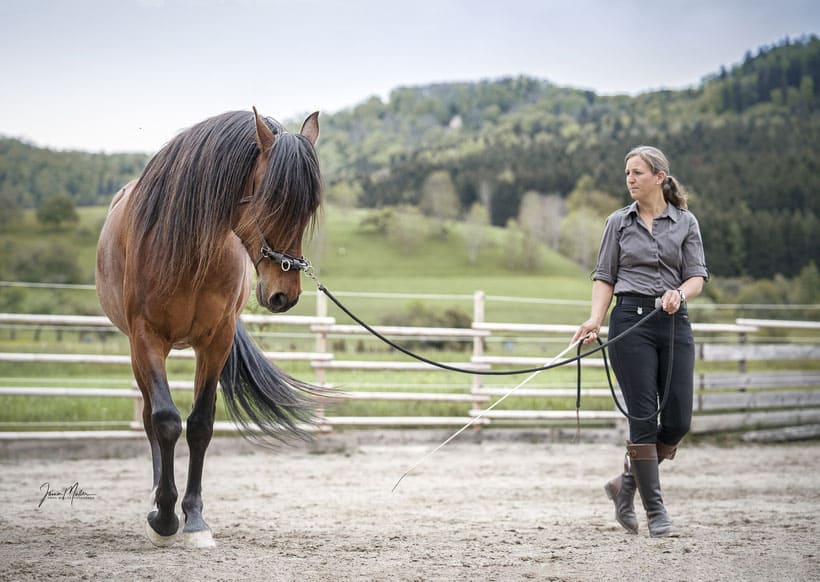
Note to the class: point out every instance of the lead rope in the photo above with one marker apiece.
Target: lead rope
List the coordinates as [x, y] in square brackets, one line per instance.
[310, 273]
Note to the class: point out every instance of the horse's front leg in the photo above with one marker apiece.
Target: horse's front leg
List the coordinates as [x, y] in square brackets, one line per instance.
[200, 428]
[148, 353]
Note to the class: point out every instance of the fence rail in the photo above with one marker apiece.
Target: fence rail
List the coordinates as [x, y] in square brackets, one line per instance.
[723, 400]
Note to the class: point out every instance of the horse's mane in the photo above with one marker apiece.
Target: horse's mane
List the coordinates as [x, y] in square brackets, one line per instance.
[188, 195]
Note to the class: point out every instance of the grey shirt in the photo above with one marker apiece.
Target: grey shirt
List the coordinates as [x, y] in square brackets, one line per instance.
[636, 261]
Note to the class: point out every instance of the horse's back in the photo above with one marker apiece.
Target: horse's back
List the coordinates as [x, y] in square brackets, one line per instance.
[110, 270]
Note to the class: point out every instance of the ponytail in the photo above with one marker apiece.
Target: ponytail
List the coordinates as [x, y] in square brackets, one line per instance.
[673, 192]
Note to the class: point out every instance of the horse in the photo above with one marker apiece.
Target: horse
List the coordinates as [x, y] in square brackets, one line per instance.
[174, 269]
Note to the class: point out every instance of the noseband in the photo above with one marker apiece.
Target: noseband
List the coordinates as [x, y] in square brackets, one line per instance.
[286, 262]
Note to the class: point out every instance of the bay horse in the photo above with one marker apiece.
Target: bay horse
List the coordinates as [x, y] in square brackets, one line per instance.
[175, 264]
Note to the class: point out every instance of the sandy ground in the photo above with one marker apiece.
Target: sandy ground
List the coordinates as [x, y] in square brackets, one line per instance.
[480, 509]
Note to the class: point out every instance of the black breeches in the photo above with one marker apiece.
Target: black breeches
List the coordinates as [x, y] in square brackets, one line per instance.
[641, 362]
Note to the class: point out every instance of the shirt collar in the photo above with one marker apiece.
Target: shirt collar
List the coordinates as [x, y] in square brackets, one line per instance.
[672, 212]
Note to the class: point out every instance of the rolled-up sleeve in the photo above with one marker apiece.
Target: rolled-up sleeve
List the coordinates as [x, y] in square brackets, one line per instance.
[693, 258]
[609, 254]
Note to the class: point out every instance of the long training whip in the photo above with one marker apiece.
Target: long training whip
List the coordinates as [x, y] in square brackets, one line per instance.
[483, 412]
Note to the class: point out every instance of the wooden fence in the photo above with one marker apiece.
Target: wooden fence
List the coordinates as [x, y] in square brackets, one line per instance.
[739, 399]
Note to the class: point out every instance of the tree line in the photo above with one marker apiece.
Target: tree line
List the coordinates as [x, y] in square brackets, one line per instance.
[548, 160]
[744, 143]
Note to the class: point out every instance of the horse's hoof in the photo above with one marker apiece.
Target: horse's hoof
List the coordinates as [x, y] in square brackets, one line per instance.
[198, 539]
[158, 540]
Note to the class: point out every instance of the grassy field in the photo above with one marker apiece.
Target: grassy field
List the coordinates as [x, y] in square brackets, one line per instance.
[431, 272]
[350, 258]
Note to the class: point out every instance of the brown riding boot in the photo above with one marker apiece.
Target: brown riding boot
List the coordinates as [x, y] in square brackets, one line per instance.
[644, 460]
[621, 490]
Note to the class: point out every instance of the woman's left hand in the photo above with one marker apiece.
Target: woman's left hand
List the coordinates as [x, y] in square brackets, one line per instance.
[671, 301]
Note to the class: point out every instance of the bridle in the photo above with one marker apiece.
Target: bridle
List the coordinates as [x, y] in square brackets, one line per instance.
[285, 261]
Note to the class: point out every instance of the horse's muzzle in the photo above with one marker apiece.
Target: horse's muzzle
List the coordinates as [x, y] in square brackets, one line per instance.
[276, 303]
[279, 302]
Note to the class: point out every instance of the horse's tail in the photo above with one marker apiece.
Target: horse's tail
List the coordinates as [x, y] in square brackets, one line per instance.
[261, 397]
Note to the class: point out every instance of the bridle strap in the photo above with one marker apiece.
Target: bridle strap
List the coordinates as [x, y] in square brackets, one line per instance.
[286, 262]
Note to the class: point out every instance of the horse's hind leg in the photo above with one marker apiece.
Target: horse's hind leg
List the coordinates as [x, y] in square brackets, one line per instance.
[148, 355]
[200, 428]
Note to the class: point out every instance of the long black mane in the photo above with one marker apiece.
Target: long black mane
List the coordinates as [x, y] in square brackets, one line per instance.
[188, 195]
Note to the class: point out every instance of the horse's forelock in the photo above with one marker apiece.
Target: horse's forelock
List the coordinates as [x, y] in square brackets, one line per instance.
[291, 190]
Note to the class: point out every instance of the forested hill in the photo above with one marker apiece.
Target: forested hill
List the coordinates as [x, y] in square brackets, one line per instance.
[744, 142]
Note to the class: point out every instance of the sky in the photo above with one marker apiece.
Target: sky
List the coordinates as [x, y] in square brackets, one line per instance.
[127, 75]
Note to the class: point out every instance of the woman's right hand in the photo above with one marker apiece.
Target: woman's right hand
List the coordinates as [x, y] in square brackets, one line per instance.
[588, 331]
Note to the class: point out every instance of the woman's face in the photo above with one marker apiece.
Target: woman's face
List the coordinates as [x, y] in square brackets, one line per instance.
[640, 181]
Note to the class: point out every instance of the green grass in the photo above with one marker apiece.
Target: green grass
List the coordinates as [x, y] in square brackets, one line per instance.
[349, 259]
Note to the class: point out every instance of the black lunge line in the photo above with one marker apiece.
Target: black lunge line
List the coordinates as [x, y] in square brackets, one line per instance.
[443, 366]
[533, 371]
[601, 348]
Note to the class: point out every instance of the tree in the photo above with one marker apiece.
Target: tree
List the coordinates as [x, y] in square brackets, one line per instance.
[56, 210]
[540, 217]
[438, 196]
[440, 200]
[345, 194]
[45, 263]
[581, 237]
[404, 228]
[513, 239]
[475, 230]
[11, 210]
[586, 195]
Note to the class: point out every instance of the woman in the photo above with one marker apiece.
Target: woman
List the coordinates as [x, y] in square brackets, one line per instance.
[650, 250]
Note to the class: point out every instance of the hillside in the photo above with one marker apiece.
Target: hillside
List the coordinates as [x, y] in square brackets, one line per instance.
[351, 250]
[744, 142]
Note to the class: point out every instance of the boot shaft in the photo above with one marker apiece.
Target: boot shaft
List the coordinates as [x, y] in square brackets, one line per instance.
[644, 461]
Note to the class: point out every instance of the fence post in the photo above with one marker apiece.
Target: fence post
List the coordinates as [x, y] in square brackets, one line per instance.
[478, 345]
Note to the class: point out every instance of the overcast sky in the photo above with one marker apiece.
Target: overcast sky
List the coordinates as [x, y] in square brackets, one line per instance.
[126, 75]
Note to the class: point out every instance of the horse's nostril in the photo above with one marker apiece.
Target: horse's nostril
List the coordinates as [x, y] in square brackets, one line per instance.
[278, 302]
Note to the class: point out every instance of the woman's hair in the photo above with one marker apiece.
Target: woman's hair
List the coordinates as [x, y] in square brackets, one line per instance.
[673, 191]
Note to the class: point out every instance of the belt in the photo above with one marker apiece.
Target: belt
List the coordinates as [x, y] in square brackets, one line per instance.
[638, 301]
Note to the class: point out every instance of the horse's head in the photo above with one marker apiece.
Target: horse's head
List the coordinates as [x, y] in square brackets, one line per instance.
[280, 203]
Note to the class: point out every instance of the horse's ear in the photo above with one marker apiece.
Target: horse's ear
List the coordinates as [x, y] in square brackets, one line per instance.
[264, 136]
[310, 128]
